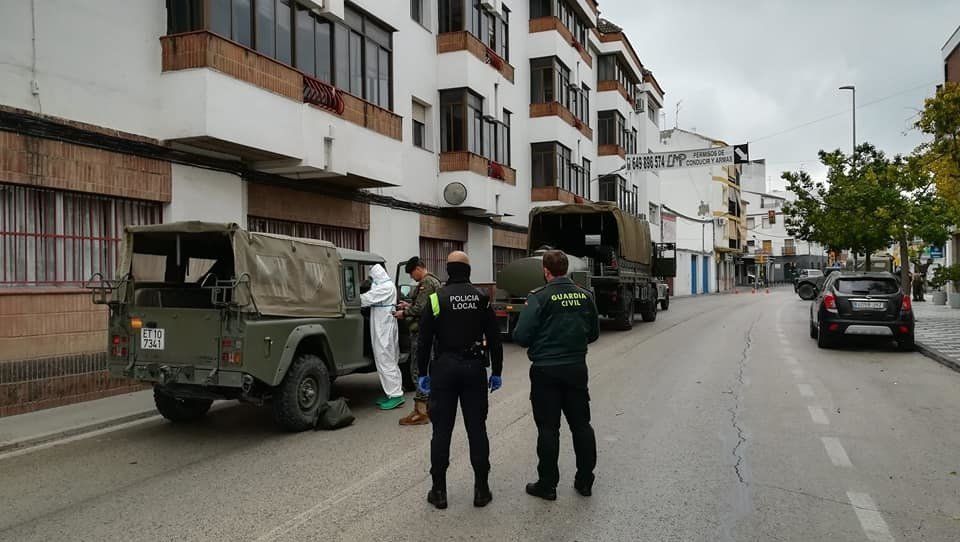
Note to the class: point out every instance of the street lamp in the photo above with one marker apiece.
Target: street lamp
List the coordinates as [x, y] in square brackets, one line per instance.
[853, 90]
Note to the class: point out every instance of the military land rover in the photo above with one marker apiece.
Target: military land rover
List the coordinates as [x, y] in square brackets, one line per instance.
[207, 311]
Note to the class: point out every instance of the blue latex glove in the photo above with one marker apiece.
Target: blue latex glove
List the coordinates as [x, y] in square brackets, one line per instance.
[495, 383]
[424, 384]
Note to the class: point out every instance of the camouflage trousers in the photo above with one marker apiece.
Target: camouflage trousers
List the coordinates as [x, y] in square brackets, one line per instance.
[414, 366]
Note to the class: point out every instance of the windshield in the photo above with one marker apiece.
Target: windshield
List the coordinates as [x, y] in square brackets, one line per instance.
[813, 272]
[864, 286]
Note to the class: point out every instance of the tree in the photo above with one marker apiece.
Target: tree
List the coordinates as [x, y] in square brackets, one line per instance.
[940, 157]
[868, 202]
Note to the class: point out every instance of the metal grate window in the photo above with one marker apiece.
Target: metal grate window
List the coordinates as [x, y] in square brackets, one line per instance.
[351, 238]
[55, 238]
[503, 256]
[434, 253]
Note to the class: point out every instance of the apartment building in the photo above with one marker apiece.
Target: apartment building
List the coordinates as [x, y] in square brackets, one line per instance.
[402, 127]
[951, 74]
[706, 206]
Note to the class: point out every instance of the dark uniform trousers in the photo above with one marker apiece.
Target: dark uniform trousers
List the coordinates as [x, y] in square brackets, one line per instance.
[454, 378]
[556, 389]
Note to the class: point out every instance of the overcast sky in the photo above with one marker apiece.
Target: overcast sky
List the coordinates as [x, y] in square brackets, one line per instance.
[749, 69]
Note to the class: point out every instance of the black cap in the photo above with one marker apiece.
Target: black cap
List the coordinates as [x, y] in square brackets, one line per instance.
[413, 263]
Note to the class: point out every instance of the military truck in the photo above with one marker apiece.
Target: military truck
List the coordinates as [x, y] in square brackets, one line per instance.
[610, 253]
[207, 311]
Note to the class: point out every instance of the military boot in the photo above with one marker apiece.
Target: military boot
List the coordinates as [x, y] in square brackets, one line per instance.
[419, 416]
[481, 491]
[438, 493]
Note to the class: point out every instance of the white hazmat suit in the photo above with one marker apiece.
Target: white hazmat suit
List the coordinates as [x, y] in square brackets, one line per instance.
[382, 299]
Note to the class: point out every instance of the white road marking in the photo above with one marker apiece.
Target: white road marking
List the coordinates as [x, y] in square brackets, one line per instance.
[838, 456]
[870, 518]
[805, 390]
[797, 373]
[818, 415]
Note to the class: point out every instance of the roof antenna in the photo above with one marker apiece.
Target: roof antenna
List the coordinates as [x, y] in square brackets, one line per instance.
[676, 116]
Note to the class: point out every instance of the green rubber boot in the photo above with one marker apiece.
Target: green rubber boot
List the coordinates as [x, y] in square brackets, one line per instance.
[392, 403]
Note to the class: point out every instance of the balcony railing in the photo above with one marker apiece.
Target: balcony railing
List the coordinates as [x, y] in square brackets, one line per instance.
[788, 251]
[555, 109]
[554, 193]
[611, 150]
[546, 24]
[611, 85]
[204, 49]
[449, 42]
[468, 161]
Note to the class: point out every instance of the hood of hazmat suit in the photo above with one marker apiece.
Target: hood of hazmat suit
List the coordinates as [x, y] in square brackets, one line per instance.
[382, 299]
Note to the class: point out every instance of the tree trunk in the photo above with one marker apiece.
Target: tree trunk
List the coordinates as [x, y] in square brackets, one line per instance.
[866, 261]
[905, 263]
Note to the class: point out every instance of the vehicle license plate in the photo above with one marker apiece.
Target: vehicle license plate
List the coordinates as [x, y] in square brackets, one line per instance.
[151, 339]
[869, 305]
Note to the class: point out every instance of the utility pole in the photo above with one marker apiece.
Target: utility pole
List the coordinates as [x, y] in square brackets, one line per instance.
[853, 90]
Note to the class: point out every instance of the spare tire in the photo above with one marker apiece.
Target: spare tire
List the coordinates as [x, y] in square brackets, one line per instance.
[806, 291]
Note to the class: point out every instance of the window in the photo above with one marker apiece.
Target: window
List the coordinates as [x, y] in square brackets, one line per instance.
[768, 246]
[612, 68]
[434, 253]
[416, 10]
[349, 283]
[419, 117]
[612, 129]
[49, 237]
[611, 187]
[751, 223]
[653, 112]
[355, 55]
[553, 167]
[550, 82]
[766, 223]
[491, 29]
[464, 128]
[654, 215]
[561, 9]
[586, 178]
[503, 256]
[354, 239]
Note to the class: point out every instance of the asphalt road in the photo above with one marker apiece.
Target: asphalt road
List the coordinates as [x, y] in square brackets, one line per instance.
[720, 421]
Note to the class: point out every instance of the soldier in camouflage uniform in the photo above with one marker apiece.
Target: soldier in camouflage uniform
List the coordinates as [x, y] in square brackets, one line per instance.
[427, 283]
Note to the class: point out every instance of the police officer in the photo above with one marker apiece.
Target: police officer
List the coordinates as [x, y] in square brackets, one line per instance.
[427, 283]
[556, 326]
[459, 319]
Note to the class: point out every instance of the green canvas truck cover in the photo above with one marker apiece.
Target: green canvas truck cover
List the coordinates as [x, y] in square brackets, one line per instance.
[633, 233]
[288, 276]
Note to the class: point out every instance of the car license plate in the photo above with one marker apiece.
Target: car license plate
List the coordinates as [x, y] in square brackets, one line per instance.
[151, 339]
[869, 305]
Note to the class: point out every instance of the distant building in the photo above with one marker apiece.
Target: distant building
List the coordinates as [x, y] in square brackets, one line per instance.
[951, 58]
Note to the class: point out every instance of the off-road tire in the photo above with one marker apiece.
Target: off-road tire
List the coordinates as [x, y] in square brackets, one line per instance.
[624, 320]
[179, 410]
[665, 303]
[806, 292]
[648, 311]
[907, 344]
[304, 388]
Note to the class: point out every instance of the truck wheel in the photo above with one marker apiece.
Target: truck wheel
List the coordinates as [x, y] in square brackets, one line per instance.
[648, 312]
[624, 320]
[179, 409]
[665, 303]
[305, 387]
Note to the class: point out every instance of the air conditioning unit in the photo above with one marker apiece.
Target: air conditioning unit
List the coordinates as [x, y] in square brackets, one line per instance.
[328, 7]
[640, 105]
[492, 6]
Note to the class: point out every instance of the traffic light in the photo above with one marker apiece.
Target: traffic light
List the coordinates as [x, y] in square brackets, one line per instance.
[772, 216]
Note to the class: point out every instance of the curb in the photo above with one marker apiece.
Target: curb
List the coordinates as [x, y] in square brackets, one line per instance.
[37, 440]
[939, 357]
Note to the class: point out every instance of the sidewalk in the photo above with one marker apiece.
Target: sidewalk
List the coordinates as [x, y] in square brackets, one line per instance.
[35, 428]
[938, 332]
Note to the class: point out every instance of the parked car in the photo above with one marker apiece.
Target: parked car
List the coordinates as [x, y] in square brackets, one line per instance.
[806, 274]
[870, 304]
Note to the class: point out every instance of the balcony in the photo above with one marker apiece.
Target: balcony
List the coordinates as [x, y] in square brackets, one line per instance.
[554, 193]
[449, 42]
[474, 163]
[546, 24]
[608, 85]
[226, 99]
[555, 109]
[788, 251]
[611, 150]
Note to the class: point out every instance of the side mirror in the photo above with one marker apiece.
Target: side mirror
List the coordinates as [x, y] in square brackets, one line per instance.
[405, 290]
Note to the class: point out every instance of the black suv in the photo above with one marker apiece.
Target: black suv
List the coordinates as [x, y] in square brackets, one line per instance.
[862, 304]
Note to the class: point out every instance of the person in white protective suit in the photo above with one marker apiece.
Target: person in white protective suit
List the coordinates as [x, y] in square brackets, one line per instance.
[382, 300]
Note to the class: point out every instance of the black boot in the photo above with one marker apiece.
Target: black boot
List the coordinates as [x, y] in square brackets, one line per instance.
[481, 491]
[584, 486]
[438, 493]
[548, 494]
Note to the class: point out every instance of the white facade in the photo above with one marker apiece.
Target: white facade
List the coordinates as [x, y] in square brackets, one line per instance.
[116, 79]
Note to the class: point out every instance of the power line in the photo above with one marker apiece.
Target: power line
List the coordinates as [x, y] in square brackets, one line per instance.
[845, 112]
